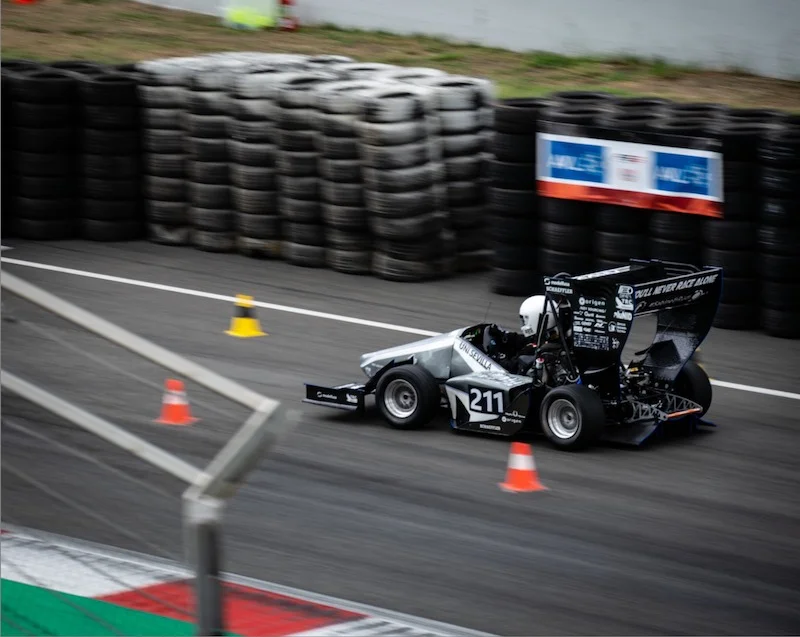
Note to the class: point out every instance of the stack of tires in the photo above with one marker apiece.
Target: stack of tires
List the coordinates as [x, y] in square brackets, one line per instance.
[676, 237]
[622, 233]
[679, 236]
[348, 239]
[298, 174]
[513, 204]
[7, 139]
[406, 211]
[79, 67]
[463, 106]
[779, 231]
[110, 162]
[567, 228]
[211, 214]
[252, 148]
[730, 242]
[163, 94]
[43, 152]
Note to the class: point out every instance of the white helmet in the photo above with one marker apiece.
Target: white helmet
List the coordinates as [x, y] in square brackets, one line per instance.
[533, 310]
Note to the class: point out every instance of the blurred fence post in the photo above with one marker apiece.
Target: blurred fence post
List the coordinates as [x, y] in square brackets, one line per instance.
[202, 521]
[204, 503]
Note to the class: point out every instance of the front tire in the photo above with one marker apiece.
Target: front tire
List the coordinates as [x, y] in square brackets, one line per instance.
[572, 417]
[407, 397]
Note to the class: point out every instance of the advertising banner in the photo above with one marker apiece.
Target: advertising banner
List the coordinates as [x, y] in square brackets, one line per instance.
[657, 172]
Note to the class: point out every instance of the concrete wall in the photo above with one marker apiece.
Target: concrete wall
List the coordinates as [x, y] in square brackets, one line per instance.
[762, 36]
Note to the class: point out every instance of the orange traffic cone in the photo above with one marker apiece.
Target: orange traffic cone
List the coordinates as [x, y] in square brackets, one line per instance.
[175, 405]
[522, 476]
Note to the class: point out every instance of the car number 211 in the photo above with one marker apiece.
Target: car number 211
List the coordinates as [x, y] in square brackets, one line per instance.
[485, 401]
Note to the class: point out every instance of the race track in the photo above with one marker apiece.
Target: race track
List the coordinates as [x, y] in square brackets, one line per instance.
[692, 535]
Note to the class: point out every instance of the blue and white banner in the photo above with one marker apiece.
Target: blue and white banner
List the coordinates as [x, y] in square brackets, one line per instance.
[632, 174]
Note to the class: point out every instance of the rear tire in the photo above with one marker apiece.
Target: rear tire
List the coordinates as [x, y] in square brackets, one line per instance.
[407, 397]
[572, 417]
[692, 382]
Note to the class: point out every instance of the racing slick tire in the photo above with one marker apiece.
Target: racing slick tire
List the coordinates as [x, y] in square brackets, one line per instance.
[572, 417]
[693, 383]
[407, 397]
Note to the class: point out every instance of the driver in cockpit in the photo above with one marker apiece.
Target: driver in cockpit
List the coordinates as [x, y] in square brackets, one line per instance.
[516, 352]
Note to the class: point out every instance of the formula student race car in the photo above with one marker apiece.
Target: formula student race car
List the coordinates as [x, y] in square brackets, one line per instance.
[578, 391]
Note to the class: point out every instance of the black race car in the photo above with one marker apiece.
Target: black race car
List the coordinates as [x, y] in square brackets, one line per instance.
[579, 390]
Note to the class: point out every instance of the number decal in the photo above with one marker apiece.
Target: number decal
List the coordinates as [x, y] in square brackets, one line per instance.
[486, 401]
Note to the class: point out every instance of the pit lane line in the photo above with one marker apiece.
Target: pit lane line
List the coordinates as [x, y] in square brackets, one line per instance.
[312, 313]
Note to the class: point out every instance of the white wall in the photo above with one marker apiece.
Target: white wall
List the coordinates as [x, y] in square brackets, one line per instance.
[762, 36]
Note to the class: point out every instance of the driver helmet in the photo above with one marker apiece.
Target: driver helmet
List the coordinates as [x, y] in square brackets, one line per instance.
[533, 312]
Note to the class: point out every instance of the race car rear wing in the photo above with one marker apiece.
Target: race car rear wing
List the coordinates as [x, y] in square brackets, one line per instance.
[603, 304]
[663, 285]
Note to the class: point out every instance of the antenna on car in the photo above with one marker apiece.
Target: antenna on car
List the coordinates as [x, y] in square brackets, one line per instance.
[485, 316]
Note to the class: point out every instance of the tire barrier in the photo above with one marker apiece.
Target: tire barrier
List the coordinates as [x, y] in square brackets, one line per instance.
[407, 174]
[511, 195]
[756, 241]
[110, 207]
[462, 106]
[349, 244]
[42, 104]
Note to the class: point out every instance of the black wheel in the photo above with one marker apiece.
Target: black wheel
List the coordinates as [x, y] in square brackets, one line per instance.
[407, 397]
[692, 383]
[572, 417]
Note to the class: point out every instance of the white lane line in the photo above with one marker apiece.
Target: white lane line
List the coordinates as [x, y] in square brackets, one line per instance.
[756, 390]
[323, 315]
[217, 297]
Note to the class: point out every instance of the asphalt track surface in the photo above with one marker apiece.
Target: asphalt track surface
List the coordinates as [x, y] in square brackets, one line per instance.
[694, 534]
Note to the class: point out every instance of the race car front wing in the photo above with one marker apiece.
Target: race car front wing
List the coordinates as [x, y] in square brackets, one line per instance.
[349, 397]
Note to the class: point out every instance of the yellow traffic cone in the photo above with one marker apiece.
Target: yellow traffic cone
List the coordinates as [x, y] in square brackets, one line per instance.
[244, 324]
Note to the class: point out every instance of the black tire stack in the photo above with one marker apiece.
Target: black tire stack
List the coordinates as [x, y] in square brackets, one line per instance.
[348, 239]
[731, 242]
[110, 161]
[298, 172]
[566, 227]
[163, 94]
[406, 212]
[779, 231]
[464, 110]
[7, 136]
[622, 233]
[679, 236]
[79, 67]
[513, 204]
[252, 147]
[43, 151]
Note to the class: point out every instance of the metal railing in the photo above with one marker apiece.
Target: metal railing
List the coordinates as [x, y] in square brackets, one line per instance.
[208, 489]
